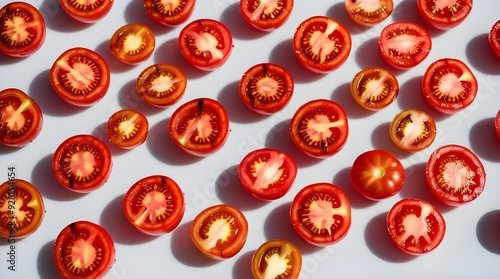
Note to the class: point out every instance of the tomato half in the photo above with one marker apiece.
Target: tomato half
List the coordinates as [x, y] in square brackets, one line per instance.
[321, 44]
[412, 130]
[82, 163]
[206, 44]
[374, 88]
[266, 15]
[276, 258]
[200, 127]
[455, 175]
[319, 128]
[267, 173]
[321, 214]
[494, 39]
[404, 44]
[133, 43]
[84, 250]
[219, 231]
[87, 11]
[21, 119]
[444, 15]
[169, 12]
[21, 209]
[154, 205]
[497, 125]
[161, 85]
[127, 128]
[266, 88]
[415, 226]
[449, 85]
[80, 76]
[368, 13]
[22, 29]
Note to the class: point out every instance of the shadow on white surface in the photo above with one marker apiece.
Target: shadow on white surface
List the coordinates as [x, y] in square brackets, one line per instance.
[242, 267]
[488, 230]
[231, 17]
[342, 95]
[184, 250]
[45, 261]
[480, 56]
[483, 140]
[236, 110]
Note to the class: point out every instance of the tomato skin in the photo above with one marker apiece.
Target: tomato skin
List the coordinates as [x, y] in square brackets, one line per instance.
[497, 125]
[288, 255]
[257, 14]
[161, 85]
[359, 15]
[127, 128]
[374, 88]
[123, 43]
[169, 16]
[494, 39]
[412, 130]
[444, 18]
[89, 13]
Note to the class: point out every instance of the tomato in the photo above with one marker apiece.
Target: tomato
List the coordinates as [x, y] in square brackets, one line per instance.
[444, 15]
[220, 231]
[321, 44]
[415, 226]
[154, 205]
[266, 88]
[266, 15]
[412, 130]
[22, 29]
[161, 85]
[206, 44]
[449, 85]
[87, 11]
[132, 43]
[277, 258]
[497, 125]
[368, 13]
[321, 214]
[374, 88]
[82, 163]
[319, 128]
[127, 128]
[21, 209]
[404, 44]
[84, 250]
[80, 76]
[21, 119]
[200, 127]
[169, 12]
[494, 39]
[455, 175]
[267, 173]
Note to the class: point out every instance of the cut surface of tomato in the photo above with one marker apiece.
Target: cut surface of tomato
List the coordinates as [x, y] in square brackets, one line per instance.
[266, 15]
[497, 125]
[89, 11]
[444, 14]
[368, 12]
[374, 88]
[133, 43]
[169, 12]
[161, 85]
[277, 258]
[494, 39]
[127, 128]
[412, 130]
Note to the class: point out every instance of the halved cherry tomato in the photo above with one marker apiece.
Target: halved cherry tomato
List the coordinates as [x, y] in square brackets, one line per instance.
[412, 130]
[21, 119]
[267, 173]
[154, 205]
[132, 43]
[374, 88]
[415, 226]
[84, 250]
[80, 76]
[321, 44]
[449, 85]
[82, 163]
[169, 12]
[266, 88]
[219, 231]
[455, 175]
[127, 128]
[161, 85]
[319, 128]
[404, 44]
[444, 15]
[266, 15]
[277, 258]
[494, 39]
[200, 127]
[368, 13]
[497, 125]
[21, 209]
[22, 29]
[87, 11]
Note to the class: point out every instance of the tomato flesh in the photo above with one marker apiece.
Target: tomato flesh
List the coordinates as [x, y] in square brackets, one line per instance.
[412, 130]
[161, 85]
[87, 11]
[133, 43]
[374, 88]
[494, 39]
[444, 14]
[276, 258]
[368, 12]
[497, 125]
[169, 12]
[266, 15]
[127, 128]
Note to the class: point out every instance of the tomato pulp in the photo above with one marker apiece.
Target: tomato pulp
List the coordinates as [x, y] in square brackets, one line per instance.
[161, 85]
[127, 128]
[412, 130]
[266, 15]
[494, 39]
[87, 11]
[169, 13]
[368, 13]
[133, 43]
[374, 88]
[444, 15]
[276, 258]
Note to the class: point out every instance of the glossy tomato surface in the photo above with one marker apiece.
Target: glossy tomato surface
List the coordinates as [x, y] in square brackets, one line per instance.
[89, 11]
[277, 258]
[494, 39]
[444, 15]
[161, 85]
[169, 12]
[497, 125]
[374, 88]
[133, 43]
[369, 13]
[412, 130]
[266, 15]
[127, 128]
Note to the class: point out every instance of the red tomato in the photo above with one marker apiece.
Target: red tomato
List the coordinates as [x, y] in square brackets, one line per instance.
[497, 125]
[455, 175]
[494, 39]
[219, 231]
[21, 119]
[21, 208]
[127, 128]
[80, 76]
[84, 250]
[266, 15]
[412, 130]
[82, 163]
[368, 13]
[321, 214]
[319, 128]
[161, 85]
[267, 174]
[154, 205]
[132, 43]
[321, 44]
[87, 11]
[449, 85]
[266, 88]
[415, 226]
[404, 44]
[170, 12]
[374, 88]
[276, 258]
[22, 29]
[200, 127]
[444, 15]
